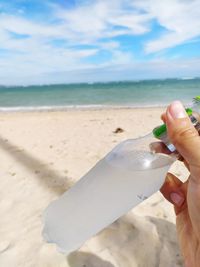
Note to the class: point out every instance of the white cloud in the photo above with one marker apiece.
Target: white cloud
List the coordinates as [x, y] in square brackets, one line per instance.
[109, 45]
[181, 19]
[87, 24]
[20, 25]
[101, 19]
[35, 54]
[138, 70]
[96, 24]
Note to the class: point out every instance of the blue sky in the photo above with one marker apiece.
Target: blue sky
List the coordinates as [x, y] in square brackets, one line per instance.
[58, 41]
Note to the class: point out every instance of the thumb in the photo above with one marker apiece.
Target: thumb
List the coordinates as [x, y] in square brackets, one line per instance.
[184, 136]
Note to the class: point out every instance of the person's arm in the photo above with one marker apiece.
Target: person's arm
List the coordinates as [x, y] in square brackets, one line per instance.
[185, 196]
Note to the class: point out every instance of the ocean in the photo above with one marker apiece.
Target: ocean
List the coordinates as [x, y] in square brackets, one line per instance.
[147, 93]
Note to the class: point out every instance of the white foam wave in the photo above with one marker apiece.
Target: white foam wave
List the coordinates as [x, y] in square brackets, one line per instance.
[77, 107]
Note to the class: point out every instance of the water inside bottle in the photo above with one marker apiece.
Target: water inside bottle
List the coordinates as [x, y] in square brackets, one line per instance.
[115, 185]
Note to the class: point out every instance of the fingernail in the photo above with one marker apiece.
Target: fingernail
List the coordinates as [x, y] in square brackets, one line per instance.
[177, 199]
[177, 110]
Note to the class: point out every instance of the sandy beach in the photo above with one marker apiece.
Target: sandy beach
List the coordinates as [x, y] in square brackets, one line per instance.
[45, 153]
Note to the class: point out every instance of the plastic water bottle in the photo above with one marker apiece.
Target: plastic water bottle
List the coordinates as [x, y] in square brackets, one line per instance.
[130, 173]
[125, 177]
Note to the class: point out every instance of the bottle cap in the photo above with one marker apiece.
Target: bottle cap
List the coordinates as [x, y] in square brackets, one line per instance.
[162, 129]
[196, 99]
[196, 104]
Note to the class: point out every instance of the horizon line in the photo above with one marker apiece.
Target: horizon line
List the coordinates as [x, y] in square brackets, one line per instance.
[184, 78]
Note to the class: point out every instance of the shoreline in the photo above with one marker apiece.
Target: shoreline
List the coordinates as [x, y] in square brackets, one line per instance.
[44, 109]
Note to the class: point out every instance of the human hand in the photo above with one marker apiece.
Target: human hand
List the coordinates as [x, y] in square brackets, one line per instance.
[185, 196]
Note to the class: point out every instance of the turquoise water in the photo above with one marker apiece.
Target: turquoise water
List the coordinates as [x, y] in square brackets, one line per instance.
[129, 94]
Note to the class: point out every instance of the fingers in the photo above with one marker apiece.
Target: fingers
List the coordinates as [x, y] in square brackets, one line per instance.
[163, 117]
[184, 136]
[175, 192]
[172, 183]
[166, 151]
[159, 147]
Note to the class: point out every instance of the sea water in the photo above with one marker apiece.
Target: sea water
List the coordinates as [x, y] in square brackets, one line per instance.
[148, 93]
[116, 184]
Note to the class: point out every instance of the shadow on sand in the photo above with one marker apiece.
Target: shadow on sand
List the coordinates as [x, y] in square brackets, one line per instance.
[84, 259]
[133, 241]
[48, 176]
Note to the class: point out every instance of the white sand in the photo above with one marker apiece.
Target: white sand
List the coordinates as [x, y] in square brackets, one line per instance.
[42, 155]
